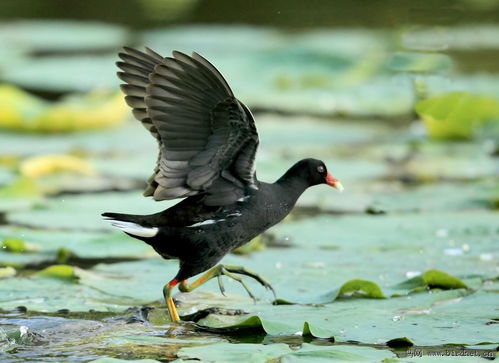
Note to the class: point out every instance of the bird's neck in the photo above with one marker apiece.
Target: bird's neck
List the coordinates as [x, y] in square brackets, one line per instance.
[292, 184]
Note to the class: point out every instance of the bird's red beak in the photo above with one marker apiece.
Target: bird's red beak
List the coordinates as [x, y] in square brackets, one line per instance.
[332, 181]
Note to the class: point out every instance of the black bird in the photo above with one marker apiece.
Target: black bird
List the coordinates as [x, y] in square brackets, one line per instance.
[207, 143]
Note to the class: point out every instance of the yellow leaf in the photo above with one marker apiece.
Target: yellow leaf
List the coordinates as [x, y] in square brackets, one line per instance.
[22, 111]
[456, 115]
[50, 164]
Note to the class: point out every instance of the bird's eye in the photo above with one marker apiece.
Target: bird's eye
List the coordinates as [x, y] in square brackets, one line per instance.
[320, 169]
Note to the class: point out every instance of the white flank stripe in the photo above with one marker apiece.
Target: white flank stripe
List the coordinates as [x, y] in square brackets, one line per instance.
[206, 222]
[134, 228]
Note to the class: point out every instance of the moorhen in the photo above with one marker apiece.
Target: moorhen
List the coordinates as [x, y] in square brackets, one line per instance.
[207, 143]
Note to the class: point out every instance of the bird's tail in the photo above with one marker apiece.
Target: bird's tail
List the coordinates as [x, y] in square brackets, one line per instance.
[130, 224]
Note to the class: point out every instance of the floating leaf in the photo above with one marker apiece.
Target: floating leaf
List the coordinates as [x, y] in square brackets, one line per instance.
[17, 106]
[433, 278]
[22, 187]
[22, 193]
[436, 278]
[361, 288]
[256, 244]
[62, 36]
[21, 111]
[93, 110]
[226, 352]
[63, 246]
[63, 74]
[7, 272]
[419, 62]
[48, 164]
[456, 115]
[61, 272]
[16, 245]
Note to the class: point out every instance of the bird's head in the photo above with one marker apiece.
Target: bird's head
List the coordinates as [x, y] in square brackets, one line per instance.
[315, 172]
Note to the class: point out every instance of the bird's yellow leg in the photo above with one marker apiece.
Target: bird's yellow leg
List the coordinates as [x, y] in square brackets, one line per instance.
[216, 271]
[167, 293]
[229, 271]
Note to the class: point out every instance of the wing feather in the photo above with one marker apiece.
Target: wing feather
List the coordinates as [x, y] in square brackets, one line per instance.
[207, 138]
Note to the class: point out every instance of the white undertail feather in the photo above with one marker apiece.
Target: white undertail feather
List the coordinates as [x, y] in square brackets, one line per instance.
[134, 228]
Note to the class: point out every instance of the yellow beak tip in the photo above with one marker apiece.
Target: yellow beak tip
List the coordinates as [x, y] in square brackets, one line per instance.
[338, 186]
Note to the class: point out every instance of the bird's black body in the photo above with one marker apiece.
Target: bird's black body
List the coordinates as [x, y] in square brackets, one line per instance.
[199, 236]
[207, 144]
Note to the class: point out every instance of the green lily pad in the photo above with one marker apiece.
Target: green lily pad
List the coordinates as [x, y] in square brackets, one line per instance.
[59, 246]
[320, 72]
[467, 38]
[83, 212]
[14, 245]
[457, 115]
[64, 73]
[61, 272]
[61, 36]
[226, 352]
[425, 319]
[362, 288]
[433, 278]
[24, 112]
[419, 62]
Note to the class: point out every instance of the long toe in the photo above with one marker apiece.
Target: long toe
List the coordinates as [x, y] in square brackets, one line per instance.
[243, 271]
[220, 284]
[241, 281]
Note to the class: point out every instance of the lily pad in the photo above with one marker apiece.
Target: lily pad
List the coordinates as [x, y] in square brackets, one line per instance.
[419, 62]
[426, 319]
[433, 278]
[50, 244]
[361, 288]
[61, 36]
[83, 212]
[457, 115]
[24, 112]
[226, 352]
[64, 73]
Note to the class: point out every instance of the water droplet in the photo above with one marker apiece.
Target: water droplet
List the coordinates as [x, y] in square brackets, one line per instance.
[278, 265]
[465, 247]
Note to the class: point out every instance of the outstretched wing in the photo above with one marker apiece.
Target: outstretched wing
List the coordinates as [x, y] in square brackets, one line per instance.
[207, 138]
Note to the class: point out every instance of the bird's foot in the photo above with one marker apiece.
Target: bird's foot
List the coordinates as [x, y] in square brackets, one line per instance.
[231, 272]
[243, 271]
